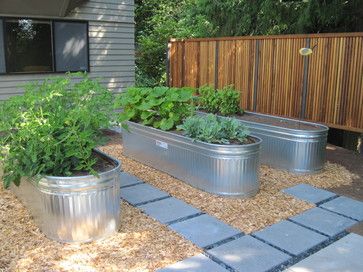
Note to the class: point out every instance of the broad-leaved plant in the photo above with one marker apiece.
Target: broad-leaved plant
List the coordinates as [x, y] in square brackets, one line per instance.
[159, 107]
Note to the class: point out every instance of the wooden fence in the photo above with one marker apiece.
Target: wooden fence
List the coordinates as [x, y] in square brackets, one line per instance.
[274, 78]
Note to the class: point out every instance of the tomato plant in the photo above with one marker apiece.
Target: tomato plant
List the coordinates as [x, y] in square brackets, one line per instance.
[53, 128]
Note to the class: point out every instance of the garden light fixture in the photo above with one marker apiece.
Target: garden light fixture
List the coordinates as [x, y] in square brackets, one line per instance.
[305, 51]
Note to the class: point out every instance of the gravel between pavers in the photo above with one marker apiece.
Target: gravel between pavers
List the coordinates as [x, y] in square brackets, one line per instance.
[269, 206]
[141, 244]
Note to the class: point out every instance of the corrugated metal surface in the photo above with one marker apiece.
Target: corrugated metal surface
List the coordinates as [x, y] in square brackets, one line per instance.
[75, 209]
[228, 170]
[111, 43]
[300, 149]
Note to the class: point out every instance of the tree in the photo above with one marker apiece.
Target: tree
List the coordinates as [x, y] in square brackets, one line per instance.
[159, 20]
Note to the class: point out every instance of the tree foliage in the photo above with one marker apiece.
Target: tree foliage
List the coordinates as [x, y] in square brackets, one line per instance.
[159, 20]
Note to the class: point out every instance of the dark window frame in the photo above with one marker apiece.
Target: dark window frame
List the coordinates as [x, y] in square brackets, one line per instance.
[52, 21]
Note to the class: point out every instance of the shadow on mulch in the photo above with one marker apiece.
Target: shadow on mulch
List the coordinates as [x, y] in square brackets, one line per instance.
[354, 163]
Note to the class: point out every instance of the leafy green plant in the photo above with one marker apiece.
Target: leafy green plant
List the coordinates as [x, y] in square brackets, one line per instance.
[209, 99]
[53, 128]
[212, 129]
[224, 101]
[229, 100]
[160, 107]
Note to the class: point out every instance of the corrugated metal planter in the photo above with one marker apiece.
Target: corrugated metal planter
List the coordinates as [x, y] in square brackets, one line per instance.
[228, 170]
[293, 145]
[75, 209]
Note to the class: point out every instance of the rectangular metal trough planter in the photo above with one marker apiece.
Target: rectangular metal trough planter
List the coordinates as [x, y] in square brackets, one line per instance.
[75, 209]
[227, 170]
[293, 145]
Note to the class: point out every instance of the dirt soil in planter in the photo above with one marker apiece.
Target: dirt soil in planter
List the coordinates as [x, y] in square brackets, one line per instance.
[269, 206]
[141, 244]
[102, 165]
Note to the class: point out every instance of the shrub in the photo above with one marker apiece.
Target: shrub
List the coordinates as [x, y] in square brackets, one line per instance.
[160, 107]
[212, 129]
[209, 99]
[53, 128]
[224, 101]
[229, 100]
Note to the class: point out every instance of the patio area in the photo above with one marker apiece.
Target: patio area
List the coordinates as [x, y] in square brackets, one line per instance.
[169, 225]
[189, 136]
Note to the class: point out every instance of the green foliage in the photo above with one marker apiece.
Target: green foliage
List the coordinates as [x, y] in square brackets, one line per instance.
[212, 129]
[53, 128]
[159, 20]
[156, 22]
[229, 101]
[330, 16]
[160, 107]
[224, 101]
[209, 99]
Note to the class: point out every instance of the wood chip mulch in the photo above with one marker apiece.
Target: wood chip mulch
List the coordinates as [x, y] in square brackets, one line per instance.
[143, 244]
[269, 206]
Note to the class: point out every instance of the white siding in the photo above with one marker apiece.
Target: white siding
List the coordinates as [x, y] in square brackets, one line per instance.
[111, 47]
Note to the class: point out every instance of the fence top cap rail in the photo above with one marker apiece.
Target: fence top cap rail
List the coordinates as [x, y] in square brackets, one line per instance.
[287, 36]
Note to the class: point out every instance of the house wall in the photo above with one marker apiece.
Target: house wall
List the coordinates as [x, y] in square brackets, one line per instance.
[111, 46]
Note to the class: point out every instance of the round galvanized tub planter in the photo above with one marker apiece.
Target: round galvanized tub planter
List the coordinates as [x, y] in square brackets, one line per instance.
[228, 170]
[75, 209]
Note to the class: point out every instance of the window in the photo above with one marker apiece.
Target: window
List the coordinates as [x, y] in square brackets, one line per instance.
[43, 46]
[71, 49]
[28, 46]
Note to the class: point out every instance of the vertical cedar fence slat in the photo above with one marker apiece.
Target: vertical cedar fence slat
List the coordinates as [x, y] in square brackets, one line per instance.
[274, 78]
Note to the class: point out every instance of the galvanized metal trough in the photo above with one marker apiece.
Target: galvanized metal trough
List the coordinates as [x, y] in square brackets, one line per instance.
[227, 170]
[293, 145]
[75, 209]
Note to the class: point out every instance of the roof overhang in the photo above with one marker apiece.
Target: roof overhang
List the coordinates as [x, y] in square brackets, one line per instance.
[38, 8]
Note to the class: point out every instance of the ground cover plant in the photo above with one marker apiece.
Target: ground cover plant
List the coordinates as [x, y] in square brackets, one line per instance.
[213, 129]
[225, 101]
[159, 107]
[53, 128]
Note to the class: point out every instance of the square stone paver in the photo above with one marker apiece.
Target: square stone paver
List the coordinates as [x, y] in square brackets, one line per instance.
[127, 179]
[344, 255]
[204, 230]
[168, 210]
[309, 193]
[346, 206]
[141, 193]
[249, 254]
[198, 263]
[324, 221]
[291, 237]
